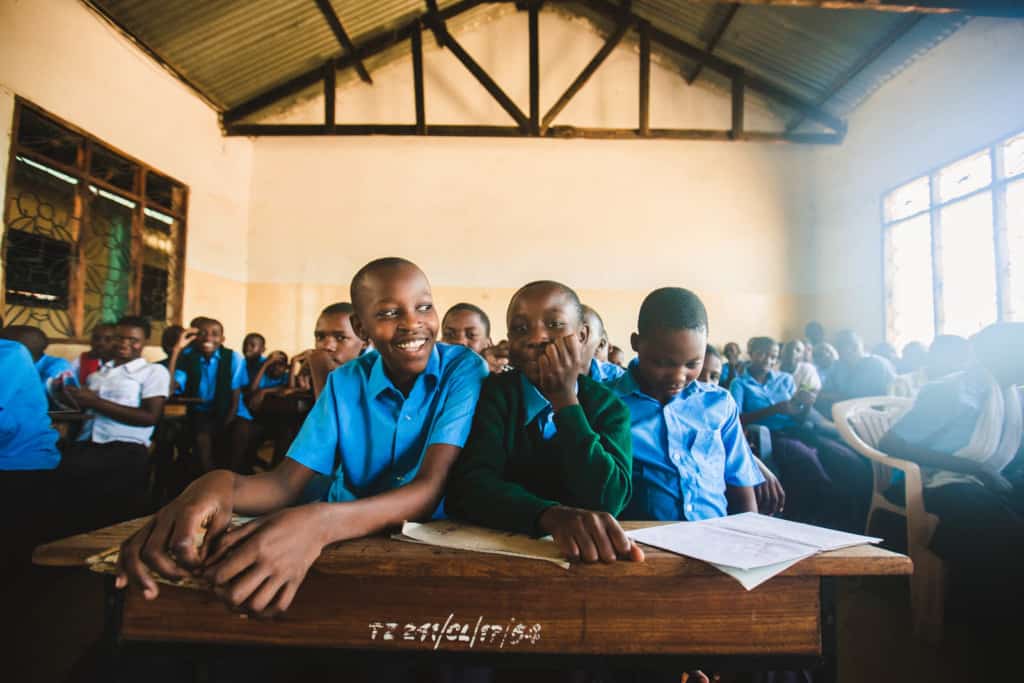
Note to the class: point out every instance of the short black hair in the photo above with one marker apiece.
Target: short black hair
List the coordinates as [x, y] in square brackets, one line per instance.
[197, 321]
[672, 308]
[566, 289]
[589, 310]
[758, 344]
[463, 306]
[170, 337]
[712, 351]
[386, 263]
[211, 321]
[254, 335]
[32, 337]
[137, 321]
[101, 325]
[339, 308]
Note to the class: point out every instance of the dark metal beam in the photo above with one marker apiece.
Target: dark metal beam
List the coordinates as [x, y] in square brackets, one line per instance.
[981, 7]
[728, 69]
[716, 36]
[737, 106]
[645, 78]
[346, 43]
[300, 82]
[300, 130]
[436, 23]
[867, 59]
[614, 39]
[330, 89]
[534, 11]
[417, 80]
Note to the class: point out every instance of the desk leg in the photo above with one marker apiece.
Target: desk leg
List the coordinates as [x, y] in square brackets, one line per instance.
[829, 626]
[113, 607]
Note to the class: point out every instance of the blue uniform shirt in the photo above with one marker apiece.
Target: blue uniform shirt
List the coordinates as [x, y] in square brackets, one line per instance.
[685, 452]
[750, 395]
[601, 371]
[208, 381]
[27, 442]
[49, 367]
[370, 438]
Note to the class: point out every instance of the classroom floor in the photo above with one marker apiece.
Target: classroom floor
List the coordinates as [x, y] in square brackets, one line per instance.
[54, 620]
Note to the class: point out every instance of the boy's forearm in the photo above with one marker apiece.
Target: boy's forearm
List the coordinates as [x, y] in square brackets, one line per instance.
[136, 417]
[417, 500]
[741, 499]
[599, 478]
[755, 416]
[259, 494]
[898, 448]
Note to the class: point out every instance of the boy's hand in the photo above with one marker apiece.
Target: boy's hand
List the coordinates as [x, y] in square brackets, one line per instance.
[496, 357]
[560, 366]
[276, 358]
[83, 398]
[771, 497]
[186, 338]
[169, 544]
[588, 535]
[259, 566]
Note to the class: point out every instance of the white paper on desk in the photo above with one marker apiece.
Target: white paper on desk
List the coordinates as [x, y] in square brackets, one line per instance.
[773, 527]
[719, 545]
[752, 578]
[449, 534]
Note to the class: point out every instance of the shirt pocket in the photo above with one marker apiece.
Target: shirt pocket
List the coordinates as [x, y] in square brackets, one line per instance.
[709, 453]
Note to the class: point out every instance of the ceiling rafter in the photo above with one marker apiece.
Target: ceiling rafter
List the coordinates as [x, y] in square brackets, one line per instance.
[716, 36]
[346, 43]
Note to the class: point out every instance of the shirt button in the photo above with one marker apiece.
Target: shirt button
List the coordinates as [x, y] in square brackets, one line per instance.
[408, 417]
[689, 508]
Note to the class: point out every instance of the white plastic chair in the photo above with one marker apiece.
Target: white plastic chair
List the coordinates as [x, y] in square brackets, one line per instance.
[862, 422]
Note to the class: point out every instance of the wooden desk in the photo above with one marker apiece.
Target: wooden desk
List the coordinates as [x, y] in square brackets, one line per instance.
[380, 595]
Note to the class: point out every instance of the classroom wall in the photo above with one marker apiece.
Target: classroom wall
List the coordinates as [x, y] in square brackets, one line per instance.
[614, 219]
[961, 96]
[64, 58]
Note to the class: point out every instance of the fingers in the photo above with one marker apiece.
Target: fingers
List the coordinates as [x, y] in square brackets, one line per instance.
[620, 541]
[780, 494]
[263, 596]
[130, 566]
[594, 527]
[580, 534]
[284, 598]
[241, 587]
[229, 539]
[567, 545]
[155, 553]
[636, 553]
[233, 564]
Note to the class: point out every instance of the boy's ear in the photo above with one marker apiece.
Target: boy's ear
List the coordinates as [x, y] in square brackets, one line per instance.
[634, 342]
[584, 333]
[357, 327]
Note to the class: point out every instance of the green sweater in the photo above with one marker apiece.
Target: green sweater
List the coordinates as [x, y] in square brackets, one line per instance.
[507, 475]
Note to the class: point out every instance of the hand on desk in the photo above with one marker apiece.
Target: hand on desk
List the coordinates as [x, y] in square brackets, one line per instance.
[177, 541]
[588, 535]
[260, 565]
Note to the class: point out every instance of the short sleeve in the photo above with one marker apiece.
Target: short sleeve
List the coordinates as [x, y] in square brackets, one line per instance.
[736, 390]
[317, 442]
[181, 379]
[787, 386]
[239, 372]
[942, 418]
[157, 382]
[455, 417]
[740, 467]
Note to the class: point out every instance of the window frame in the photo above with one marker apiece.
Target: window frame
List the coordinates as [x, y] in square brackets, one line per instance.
[82, 171]
[1000, 244]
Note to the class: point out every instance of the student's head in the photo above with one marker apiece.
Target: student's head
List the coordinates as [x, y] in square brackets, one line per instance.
[997, 348]
[170, 337]
[210, 337]
[764, 354]
[915, 356]
[467, 325]
[792, 353]
[849, 346]
[815, 332]
[825, 355]
[32, 337]
[101, 341]
[712, 370]
[670, 342]
[597, 336]
[949, 354]
[279, 365]
[539, 313]
[616, 356]
[732, 353]
[130, 336]
[254, 345]
[394, 309]
[334, 333]
[888, 352]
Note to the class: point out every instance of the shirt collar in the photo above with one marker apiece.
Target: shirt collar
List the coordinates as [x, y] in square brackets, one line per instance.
[534, 402]
[626, 385]
[130, 366]
[772, 374]
[380, 382]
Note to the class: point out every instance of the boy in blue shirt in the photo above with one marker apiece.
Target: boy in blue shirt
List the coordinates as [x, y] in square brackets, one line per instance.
[387, 428]
[691, 460]
[599, 370]
[47, 367]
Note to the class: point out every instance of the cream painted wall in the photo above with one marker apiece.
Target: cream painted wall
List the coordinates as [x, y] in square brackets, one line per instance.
[961, 96]
[613, 219]
[64, 58]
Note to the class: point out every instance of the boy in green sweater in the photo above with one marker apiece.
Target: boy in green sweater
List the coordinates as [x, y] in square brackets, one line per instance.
[550, 449]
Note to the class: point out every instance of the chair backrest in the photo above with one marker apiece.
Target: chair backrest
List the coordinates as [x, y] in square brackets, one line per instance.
[866, 420]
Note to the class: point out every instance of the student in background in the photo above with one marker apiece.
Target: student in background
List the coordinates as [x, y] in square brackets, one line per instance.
[47, 367]
[101, 343]
[965, 430]
[386, 429]
[915, 356]
[106, 470]
[549, 452]
[855, 375]
[468, 325]
[28, 456]
[711, 372]
[616, 356]
[948, 354]
[888, 351]
[805, 376]
[815, 333]
[825, 357]
[335, 343]
[168, 338]
[733, 367]
[254, 345]
[599, 370]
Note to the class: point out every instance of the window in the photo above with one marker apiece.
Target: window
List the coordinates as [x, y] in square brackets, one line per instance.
[90, 234]
[954, 246]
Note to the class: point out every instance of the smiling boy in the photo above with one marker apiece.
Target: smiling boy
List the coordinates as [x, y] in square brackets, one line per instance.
[387, 428]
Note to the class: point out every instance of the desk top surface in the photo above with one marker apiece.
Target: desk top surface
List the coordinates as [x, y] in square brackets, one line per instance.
[383, 556]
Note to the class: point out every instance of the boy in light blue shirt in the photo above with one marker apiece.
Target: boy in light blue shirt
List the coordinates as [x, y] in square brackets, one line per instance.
[600, 370]
[691, 460]
[387, 428]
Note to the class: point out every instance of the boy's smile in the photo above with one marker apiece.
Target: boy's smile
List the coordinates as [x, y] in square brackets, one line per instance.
[668, 360]
[210, 338]
[127, 342]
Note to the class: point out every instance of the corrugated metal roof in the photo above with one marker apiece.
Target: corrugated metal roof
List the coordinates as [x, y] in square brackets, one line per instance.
[233, 50]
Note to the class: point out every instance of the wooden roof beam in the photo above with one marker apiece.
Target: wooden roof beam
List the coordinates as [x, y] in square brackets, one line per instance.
[346, 43]
[716, 36]
[982, 7]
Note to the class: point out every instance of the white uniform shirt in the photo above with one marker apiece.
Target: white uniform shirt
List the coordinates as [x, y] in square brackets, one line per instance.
[126, 385]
